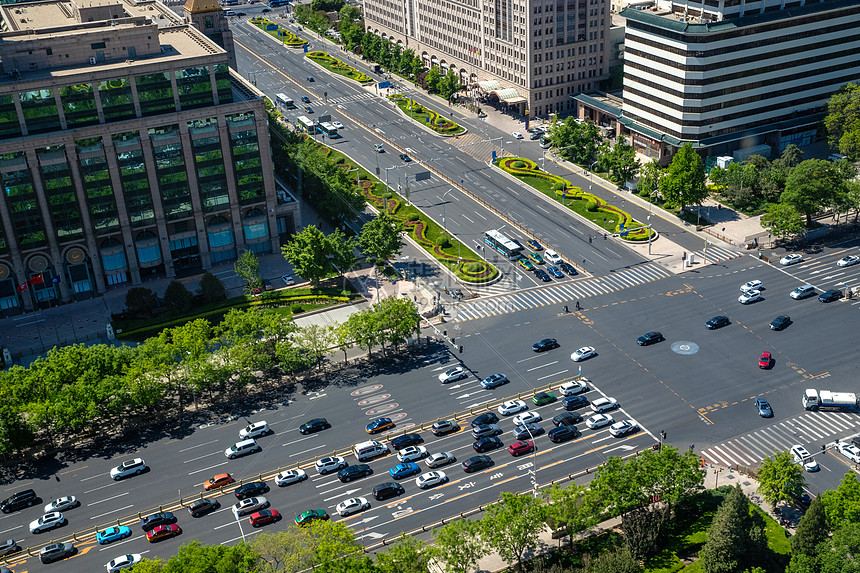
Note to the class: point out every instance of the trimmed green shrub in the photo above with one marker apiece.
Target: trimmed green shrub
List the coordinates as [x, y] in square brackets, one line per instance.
[519, 165]
[474, 267]
[296, 308]
[442, 242]
[591, 206]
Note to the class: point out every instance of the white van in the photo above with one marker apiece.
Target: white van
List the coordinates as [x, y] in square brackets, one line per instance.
[368, 450]
[242, 448]
[574, 387]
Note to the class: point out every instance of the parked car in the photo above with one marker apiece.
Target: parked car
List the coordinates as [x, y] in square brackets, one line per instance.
[830, 296]
[717, 322]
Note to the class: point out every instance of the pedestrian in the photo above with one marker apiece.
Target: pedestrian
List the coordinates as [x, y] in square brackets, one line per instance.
[577, 305]
[719, 207]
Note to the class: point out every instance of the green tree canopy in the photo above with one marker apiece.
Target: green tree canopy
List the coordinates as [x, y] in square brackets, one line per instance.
[621, 162]
[842, 122]
[247, 266]
[782, 220]
[307, 252]
[512, 526]
[380, 237]
[197, 558]
[140, 301]
[575, 140]
[813, 186]
[211, 288]
[812, 530]
[177, 297]
[459, 546]
[842, 505]
[780, 478]
[684, 182]
[735, 540]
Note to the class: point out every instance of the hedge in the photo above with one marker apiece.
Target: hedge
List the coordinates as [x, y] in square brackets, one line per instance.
[284, 35]
[426, 116]
[332, 64]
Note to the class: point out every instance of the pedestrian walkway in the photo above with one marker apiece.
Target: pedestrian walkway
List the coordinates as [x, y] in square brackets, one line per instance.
[558, 293]
[505, 285]
[478, 146]
[715, 254]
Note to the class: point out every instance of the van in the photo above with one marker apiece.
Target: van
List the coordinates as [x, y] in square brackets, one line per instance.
[574, 387]
[802, 292]
[241, 448]
[836, 157]
[368, 450]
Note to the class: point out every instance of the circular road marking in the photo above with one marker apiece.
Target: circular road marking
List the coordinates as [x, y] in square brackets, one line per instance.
[399, 416]
[366, 390]
[374, 400]
[685, 347]
[379, 410]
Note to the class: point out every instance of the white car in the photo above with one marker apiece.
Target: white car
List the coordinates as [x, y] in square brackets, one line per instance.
[552, 257]
[583, 353]
[527, 418]
[130, 468]
[123, 562]
[440, 459]
[512, 407]
[47, 522]
[850, 451]
[430, 479]
[623, 427]
[250, 505]
[748, 297]
[575, 387]
[288, 477]
[453, 375]
[517, 135]
[412, 453]
[802, 456]
[337, 124]
[62, 504]
[352, 505]
[255, 430]
[791, 259]
[330, 464]
[848, 261]
[752, 285]
[598, 421]
[604, 404]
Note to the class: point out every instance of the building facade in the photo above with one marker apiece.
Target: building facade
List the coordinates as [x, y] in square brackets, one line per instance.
[128, 149]
[531, 54]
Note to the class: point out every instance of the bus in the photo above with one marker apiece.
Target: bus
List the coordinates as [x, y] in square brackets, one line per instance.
[306, 124]
[276, 3]
[328, 129]
[284, 101]
[508, 247]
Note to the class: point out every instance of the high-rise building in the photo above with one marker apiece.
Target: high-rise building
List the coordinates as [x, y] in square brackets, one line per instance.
[128, 149]
[533, 55]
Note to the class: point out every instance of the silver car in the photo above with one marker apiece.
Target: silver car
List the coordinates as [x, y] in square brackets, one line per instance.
[440, 459]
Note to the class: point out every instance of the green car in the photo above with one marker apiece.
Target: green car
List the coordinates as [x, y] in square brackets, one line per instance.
[526, 264]
[542, 398]
[311, 515]
[536, 258]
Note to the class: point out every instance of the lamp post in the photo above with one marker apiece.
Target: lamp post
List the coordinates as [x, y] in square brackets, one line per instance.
[239, 523]
[444, 228]
[533, 471]
[590, 170]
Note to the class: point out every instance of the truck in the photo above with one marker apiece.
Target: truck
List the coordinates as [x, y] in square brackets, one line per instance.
[827, 400]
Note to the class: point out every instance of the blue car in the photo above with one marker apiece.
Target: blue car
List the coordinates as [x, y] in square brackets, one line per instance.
[553, 270]
[112, 534]
[401, 471]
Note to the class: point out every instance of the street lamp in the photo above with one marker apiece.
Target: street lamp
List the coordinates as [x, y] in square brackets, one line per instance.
[239, 523]
[590, 170]
[444, 228]
[533, 471]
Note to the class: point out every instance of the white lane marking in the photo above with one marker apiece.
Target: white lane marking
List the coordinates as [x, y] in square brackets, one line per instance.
[197, 446]
[101, 487]
[542, 366]
[107, 499]
[113, 511]
[299, 440]
[305, 451]
[209, 468]
[200, 457]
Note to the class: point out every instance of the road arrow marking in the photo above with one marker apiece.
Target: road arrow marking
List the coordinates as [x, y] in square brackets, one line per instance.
[623, 448]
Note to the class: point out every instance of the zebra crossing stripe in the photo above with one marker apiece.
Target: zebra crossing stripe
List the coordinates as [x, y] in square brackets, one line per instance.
[777, 437]
[714, 456]
[814, 432]
[741, 451]
[619, 281]
[755, 447]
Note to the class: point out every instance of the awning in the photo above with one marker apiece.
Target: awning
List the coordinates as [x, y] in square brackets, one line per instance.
[510, 95]
[490, 85]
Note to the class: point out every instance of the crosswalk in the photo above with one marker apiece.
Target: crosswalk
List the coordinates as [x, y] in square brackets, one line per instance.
[811, 430]
[362, 96]
[717, 254]
[557, 293]
[506, 285]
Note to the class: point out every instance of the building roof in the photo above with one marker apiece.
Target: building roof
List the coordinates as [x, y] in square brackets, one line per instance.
[199, 6]
[608, 104]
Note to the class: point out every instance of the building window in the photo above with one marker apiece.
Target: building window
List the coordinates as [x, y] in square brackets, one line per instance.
[211, 175]
[23, 207]
[135, 183]
[155, 93]
[95, 177]
[40, 111]
[194, 88]
[172, 180]
[117, 102]
[79, 105]
[60, 192]
[222, 82]
[9, 126]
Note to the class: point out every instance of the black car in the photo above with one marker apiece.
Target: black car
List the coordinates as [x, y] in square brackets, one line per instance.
[306, 99]
[476, 463]
[545, 344]
[387, 489]
[574, 402]
[649, 338]
[568, 268]
[202, 507]
[310, 78]
[9, 546]
[315, 425]
[717, 322]
[487, 444]
[563, 433]
[265, 11]
[444, 427]
[535, 136]
[763, 408]
[542, 275]
[240, 14]
[566, 419]
[528, 431]
[485, 418]
[406, 440]
[830, 296]
[252, 489]
[19, 500]
[350, 473]
[780, 322]
[152, 521]
[405, 158]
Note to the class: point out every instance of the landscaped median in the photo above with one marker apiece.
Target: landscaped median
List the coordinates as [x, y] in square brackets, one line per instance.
[587, 205]
[332, 64]
[275, 30]
[426, 116]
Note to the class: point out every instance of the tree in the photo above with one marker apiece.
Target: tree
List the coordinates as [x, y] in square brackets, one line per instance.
[177, 297]
[380, 237]
[842, 122]
[621, 162]
[408, 555]
[512, 526]
[449, 85]
[649, 178]
[341, 250]
[565, 509]
[307, 251]
[458, 545]
[812, 186]
[811, 531]
[197, 558]
[575, 140]
[432, 79]
[842, 505]
[782, 220]
[140, 301]
[840, 554]
[642, 528]
[735, 540]
[791, 155]
[247, 266]
[313, 341]
[618, 560]
[211, 288]
[684, 182]
[780, 478]
[397, 319]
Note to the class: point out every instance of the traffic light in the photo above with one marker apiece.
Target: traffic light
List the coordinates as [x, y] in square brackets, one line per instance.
[589, 240]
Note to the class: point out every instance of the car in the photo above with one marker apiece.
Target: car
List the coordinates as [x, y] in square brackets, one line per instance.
[765, 360]
[430, 479]
[267, 284]
[848, 261]
[527, 430]
[453, 374]
[763, 408]
[288, 477]
[802, 456]
[554, 271]
[850, 451]
[387, 490]
[791, 259]
[583, 353]
[574, 387]
[486, 430]
[48, 522]
[306, 99]
[717, 322]
[379, 148]
[476, 463]
[527, 418]
[288, 280]
[568, 268]
[337, 124]
[487, 444]
[412, 453]
[623, 427]
[314, 426]
[542, 275]
[512, 407]
[311, 515]
[598, 421]
[542, 398]
[379, 425]
[130, 468]
[55, 552]
[517, 135]
[154, 520]
[443, 427]
[405, 158]
[751, 285]
[163, 532]
[330, 464]
[802, 292]
[534, 245]
[254, 430]
[440, 459]
[308, 108]
[266, 10]
[650, 338]
[404, 470]
[263, 517]
[563, 433]
[112, 534]
[535, 136]
[485, 418]
[750, 297]
[535, 257]
[62, 504]
[249, 505]
[122, 562]
[218, 481]
[526, 264]
[780, 322]
[310, 78]
[521, 447]
[352, 505]
[830, 296]
[566, 419]
[545, 344]
[19, 500]
[350, 473]
[251, 489]
[552, 257]
[493, 381]
[406, 440]
[574, 402]
[201, 507]
[242, 448]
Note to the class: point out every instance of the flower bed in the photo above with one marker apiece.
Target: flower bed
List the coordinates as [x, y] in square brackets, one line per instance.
[426, 116]
[331, 63]
[275, 30]
[588, 205]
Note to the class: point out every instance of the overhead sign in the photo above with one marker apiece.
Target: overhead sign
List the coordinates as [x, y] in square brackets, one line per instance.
[422, 176]
[383, 85]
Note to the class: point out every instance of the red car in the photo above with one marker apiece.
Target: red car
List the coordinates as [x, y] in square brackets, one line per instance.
[521, 447]
[163, 532]
[765, 360]
[265, 516]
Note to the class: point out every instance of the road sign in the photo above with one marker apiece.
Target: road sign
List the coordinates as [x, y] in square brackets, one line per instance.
[423, 176]
[382, 85]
